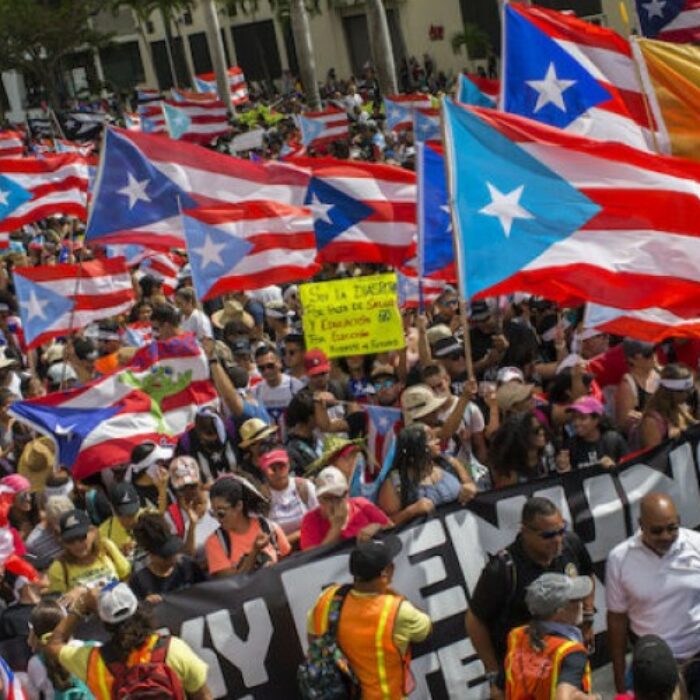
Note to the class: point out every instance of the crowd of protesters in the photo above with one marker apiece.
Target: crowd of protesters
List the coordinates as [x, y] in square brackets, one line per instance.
[288, 462]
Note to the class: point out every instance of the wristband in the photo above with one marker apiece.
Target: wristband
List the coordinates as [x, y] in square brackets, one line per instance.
[213, 360]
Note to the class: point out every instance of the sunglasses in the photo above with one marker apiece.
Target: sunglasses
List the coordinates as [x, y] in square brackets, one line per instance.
[660, 529]
[550, 534]
[268, 366]
[384, 384]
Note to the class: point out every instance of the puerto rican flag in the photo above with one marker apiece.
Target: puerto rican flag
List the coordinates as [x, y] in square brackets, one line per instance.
[322, 128]
[11, 144]
[576, 76]
[427, 125]
[155, 398]
[383, 426]
[33, 188]
[477, 91]
[363, 212]
[179, 95]
[249, 246]
[11, 686]
[166, 266]
[144, 181]
[400, 109]
[151, 119]
[414, 293]
[571, 219]
[651, 325]
[56, 300]
[196, 122]
[147, 95]
[670, 20]
[206, 82]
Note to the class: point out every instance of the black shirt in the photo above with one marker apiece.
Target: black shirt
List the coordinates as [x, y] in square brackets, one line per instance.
[584, 453]
[522, 345]
[499, 601]
[186, 573]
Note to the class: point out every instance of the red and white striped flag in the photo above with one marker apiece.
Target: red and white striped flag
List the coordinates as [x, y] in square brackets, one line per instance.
[152, 119]
[11, 144]
[400, 109]
[166, 266]
[34, 188]
[249, 246]
[321, 128]
[179, 95]
[409, 291]
[55, 300]
[196, 122]
[206, 82]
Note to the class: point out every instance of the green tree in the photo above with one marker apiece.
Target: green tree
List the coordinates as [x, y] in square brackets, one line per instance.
[37, 35]
[474, 39]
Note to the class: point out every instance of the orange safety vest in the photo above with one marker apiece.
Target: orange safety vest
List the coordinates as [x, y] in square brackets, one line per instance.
[99, 680]
[366, 637]
[534, 675]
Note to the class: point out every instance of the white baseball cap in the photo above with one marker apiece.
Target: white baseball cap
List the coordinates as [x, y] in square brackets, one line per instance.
[332, 481]
[116, 603]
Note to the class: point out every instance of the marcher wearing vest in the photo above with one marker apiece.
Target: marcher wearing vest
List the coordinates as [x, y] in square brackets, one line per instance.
[547, 659]
[376, 625]
[136, 660]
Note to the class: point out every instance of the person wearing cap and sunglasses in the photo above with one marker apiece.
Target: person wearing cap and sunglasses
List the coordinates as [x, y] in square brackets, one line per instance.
[133, 640]
[667, 413]
[547, 658]
[651, 587]
[497, 605]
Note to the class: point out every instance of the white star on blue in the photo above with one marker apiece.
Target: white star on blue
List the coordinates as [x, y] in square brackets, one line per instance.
[12, 196]
[40, 307]
[311, 129]
[178, 122]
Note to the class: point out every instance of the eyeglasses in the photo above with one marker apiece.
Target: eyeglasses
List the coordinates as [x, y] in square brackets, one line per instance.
[384, 384]
[450, 302]
[550, 534]
[220, 513]
[660, 529]
[268, 366]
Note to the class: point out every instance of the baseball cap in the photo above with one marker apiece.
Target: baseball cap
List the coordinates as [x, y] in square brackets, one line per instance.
[124, 499]
[241, 346]
[418, 401]
[383, 370]
[184, 471]
[446, 346]
[587, 405]
[479, 310]
[116, 603]
[551, 592]
[148, 453]
[276, 309]
[331, 480]
[369, 559]
[316, 362]
[85, 349]
[61, 371]
[509, 374]
[654, 668]
[507, 395]
[438, 332]
[73, 524]
[632, 347]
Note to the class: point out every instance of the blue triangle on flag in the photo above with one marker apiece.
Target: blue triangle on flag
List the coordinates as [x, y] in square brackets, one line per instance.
[148, 126]
[395, 113]
[426, 128]
[178, 122]
[543, 81]
[131, 192]
[214, 253]
[202, 85]
[469, 94]
[334, 211]
[654, 15]
[509, 206]
[383, 418]
[40, 307]
[311, 129]
[12, 196]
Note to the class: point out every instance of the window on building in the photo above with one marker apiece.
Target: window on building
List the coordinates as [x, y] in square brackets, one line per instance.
[187, 18]
[257, 50]
[201, 57]
[122, 65]
[150, 29]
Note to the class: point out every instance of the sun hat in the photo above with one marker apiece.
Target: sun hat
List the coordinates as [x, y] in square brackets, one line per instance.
[418, 401]
[255, 430]
[37, 461]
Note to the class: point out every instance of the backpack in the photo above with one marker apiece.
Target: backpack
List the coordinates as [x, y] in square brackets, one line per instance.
[77, 691]
[326, 673]
[152, 680]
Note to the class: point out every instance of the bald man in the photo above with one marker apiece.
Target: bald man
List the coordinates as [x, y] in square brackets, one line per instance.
[652, 585]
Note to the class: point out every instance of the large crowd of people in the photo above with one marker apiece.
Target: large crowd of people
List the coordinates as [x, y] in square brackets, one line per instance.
[289, 460]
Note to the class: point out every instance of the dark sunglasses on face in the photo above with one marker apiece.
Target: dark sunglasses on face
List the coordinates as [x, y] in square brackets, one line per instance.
[550, 534]
[268, 366]
[384, 384]
[660, 529]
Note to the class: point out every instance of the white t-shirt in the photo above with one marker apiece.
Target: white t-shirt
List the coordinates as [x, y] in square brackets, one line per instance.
[198, 323]
[287, 508]
[659, 595]
[276, 399]
[472, 422]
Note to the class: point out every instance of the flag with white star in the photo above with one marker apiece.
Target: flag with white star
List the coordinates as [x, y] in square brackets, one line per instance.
[399, 109]
[82, 126]
[480, 92]
[568, 218]
[426, 125]
[244, 247]
[322, 128]
[56, 300]
[574, 75]
[676, 21]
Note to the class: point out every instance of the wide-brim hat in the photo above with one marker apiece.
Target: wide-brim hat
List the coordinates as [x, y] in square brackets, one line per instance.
[331, 446]
[254, 430]
[37, 462]
[233, 311]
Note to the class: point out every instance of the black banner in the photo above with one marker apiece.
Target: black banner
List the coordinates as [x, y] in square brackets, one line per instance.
[251, 629]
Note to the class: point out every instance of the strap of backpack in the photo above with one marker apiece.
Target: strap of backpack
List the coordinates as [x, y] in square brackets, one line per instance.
[269, 531]
[224, 540]
[335, 607]
[160, 649]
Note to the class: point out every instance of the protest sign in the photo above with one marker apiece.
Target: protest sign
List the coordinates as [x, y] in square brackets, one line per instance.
[251, 629]
[356, 316]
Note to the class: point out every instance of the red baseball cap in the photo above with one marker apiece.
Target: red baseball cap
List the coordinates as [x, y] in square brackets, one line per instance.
[316, 362]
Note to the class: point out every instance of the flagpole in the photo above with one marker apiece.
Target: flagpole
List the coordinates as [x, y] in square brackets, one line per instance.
[459, 263]
[70, 322]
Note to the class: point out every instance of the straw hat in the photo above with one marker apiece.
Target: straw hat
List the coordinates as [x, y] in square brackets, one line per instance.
[419, 401]
[37, 462]
[331, 446]
[233, 311]
[254, 430]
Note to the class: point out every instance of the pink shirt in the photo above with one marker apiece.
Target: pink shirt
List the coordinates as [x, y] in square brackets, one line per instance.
[361, 512]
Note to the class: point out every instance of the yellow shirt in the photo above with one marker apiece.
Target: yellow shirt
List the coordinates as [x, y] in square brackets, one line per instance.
[411, 625]
[108, 565]
[113, 530]
[191, 670]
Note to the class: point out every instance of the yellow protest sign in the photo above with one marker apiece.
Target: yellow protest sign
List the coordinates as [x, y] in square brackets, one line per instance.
[356, 316]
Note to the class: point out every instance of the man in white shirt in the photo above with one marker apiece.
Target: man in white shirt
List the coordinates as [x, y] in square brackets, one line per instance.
[652, 586]
[276, 389]
[193, 319]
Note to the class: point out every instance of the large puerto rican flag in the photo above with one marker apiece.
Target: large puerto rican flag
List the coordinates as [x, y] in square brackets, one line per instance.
[144, 182]
[155, 398]
[577, 76]
[568, 218]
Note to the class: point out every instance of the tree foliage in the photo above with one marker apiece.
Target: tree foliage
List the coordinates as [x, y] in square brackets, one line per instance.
[474, 39]
[36, 35]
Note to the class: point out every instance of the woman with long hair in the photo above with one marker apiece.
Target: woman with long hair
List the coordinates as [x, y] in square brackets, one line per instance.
[520, 451]
[246, 540]
[421, 478]
[667, 414]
